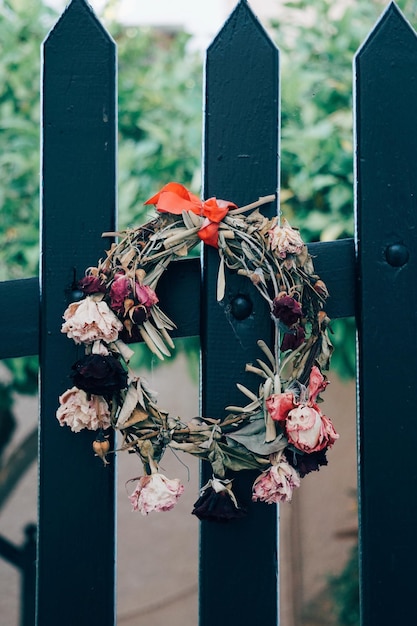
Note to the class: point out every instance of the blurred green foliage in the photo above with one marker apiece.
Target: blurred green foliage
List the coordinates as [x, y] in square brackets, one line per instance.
[22, 28]
[160, 116]
[344, 590]
[318, 42]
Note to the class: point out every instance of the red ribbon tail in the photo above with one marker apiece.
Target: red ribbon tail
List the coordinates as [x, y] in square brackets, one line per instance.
[209, 233]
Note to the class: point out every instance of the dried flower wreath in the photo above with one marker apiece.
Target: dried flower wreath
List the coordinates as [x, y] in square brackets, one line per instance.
[281, 432]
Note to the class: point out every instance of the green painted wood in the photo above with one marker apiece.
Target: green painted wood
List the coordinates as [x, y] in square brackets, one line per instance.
[239, 569]
[386, 164]
[76, 543]
[19, 317]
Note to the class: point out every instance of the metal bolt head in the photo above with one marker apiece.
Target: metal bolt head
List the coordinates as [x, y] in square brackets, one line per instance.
[241, 307]
[397, 254]
[76, 295]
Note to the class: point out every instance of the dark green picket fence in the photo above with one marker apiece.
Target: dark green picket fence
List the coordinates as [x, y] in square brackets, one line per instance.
[374, 278]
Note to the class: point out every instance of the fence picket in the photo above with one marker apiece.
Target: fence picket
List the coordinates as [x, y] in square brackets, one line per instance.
[386, 101]
[76, 497]
[238, 561]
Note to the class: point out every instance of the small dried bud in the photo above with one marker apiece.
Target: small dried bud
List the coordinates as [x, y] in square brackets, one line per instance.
[101, 447]
[321, 288]
[128, 304]
[323, 319]
[140, 276]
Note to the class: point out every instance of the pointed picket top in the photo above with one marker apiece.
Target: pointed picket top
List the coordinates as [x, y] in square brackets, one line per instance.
[392, 29]
[78, 17]
[242, 84]
[243, 21]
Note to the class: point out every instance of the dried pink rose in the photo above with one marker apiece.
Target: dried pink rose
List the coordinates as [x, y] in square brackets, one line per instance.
[119, 291]
[284, 239]
[146, 295]
[305, 426]
[90, 320]
[155, 492]
[309, 430]
[276, 484]
[79, 410]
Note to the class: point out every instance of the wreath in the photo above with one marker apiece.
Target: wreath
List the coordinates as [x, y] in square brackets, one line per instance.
[280, 431]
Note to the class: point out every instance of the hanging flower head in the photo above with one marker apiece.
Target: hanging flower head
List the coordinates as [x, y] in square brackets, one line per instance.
[276, 484]
[90, 320]
[217, 502]
[100, 375]
[285, 240]
[305, 426]
[155, 492]
[79, 410]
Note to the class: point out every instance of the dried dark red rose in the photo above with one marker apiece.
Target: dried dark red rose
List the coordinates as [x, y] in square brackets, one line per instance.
[293, 338]
[306, 463]
[99, 375]
[130, 332]
[217, 506]
[139, 314]
[287, 310]
[91, 284]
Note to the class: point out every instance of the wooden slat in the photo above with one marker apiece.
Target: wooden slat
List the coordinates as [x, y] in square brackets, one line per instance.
[386, 97]
[19, 317]
[76, 492]
[239, 569]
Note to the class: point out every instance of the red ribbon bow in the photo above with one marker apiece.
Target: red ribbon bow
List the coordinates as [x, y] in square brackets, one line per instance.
[175, 198]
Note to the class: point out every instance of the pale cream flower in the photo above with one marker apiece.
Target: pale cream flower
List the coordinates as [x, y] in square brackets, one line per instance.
[90, 320]
[155, 492]
[284, 239]
[79, 411]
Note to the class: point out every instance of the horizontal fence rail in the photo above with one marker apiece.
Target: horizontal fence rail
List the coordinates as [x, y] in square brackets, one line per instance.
[19, 326]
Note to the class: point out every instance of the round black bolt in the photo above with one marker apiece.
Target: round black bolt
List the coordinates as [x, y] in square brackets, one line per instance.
[397, 254]
[241, 307]
[76, 295]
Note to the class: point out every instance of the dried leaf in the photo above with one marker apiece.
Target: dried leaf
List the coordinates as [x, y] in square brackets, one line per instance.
[252, 436]
[156, 337]
[262, 345]
[123, 349]
[163, 318]
[238, 458]
[137, 416]
[255, 370]
[182, 251]
[221, 280]
[265, 368]
[247, 392]
[126, 259]
[152, 347]
[130, 402]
